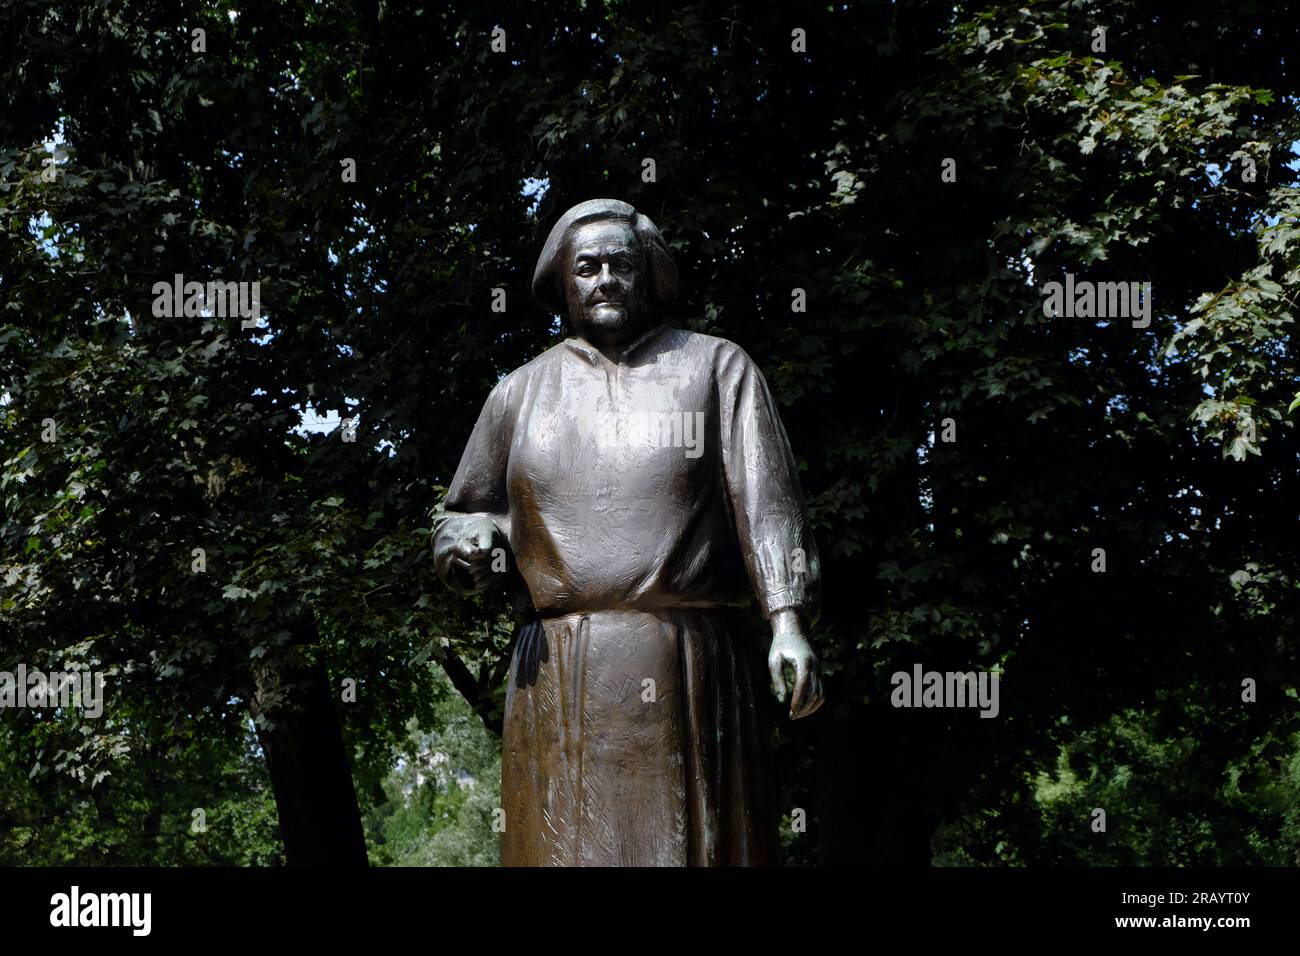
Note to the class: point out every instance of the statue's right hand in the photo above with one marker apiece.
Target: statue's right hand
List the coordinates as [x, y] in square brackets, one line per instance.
[469, 559]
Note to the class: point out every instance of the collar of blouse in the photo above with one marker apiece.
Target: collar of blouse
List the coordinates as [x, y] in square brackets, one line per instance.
[592, 354]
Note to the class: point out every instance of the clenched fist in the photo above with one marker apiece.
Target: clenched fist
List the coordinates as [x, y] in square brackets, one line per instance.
[469, 554]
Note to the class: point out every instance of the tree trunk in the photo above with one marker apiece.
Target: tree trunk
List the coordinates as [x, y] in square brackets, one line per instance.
[316, 801]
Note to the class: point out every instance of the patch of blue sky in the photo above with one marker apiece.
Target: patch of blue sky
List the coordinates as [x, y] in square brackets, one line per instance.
[536, 188]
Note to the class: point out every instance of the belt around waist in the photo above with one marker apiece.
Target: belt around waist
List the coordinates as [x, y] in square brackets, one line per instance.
[659, 613]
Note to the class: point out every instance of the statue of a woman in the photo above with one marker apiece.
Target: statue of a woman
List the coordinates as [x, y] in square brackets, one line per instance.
[641, 481]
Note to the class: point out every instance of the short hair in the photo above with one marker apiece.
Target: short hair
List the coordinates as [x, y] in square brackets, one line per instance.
[548, 277]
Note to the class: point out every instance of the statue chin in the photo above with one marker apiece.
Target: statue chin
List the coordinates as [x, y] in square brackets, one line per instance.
[604, 326]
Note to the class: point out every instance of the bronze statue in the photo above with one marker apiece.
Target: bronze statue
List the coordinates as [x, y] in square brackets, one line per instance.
[639, 480]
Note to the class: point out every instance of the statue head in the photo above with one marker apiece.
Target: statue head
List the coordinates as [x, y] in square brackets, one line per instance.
[607, 268]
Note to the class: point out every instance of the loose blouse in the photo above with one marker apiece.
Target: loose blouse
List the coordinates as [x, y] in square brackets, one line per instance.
[659, 482]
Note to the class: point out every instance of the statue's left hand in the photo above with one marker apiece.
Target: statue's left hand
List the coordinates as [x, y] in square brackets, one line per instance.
[789, 646]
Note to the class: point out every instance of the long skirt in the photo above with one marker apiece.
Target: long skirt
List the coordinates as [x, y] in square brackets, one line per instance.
[635, 740]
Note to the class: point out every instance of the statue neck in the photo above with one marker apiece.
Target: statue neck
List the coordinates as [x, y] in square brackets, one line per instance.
[620, 352]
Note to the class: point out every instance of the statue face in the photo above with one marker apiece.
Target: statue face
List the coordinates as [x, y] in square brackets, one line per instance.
[605, 283]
